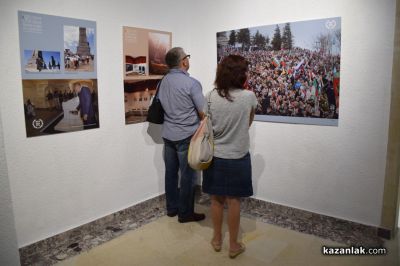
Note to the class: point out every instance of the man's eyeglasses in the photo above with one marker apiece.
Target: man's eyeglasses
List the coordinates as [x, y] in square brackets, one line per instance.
[187, 56]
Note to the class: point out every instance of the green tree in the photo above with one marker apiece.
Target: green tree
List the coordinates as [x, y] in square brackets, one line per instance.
[287, 38]
[232, 38]
[267, 40]
[259, 40]
[221, 34]
[277, 39]
[243, 37]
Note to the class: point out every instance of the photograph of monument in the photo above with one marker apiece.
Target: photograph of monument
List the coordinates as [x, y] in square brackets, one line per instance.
[78, 48]
[144, 53]
[294, 69]
[38, 61]
[138, 96]
[57, 106]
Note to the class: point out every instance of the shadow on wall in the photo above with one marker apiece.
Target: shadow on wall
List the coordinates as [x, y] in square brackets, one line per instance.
[153, 137]
[258, 163]
[154, 131]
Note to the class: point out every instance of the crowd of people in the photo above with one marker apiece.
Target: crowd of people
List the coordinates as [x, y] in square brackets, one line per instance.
[297, 82]
[73, 61]
[56, 98]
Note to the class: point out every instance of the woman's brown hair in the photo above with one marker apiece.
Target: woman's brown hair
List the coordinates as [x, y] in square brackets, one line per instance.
[231, 73]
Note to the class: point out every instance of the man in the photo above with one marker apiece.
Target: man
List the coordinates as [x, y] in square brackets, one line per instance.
[85, 106]
[182, 99]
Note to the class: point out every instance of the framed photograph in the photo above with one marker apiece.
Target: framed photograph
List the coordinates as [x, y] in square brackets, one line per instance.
[59, 75]
[138, 96]
[38, 61]
[54, 106]
[294, 69]
[144, 53]
[78, 55]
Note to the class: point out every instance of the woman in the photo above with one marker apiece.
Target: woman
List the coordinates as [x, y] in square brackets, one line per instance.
[229, 176]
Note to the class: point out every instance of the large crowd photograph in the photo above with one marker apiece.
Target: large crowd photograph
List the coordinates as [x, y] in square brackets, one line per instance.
[294, 69]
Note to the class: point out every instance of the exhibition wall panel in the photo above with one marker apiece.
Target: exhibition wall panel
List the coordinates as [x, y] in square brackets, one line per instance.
[336, 171]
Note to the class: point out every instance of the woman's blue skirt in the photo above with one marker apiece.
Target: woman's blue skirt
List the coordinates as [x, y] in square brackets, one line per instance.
[229, 177]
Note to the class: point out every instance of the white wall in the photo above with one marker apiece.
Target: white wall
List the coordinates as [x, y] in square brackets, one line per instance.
[8, 237]
[336, 171]
[62, 181]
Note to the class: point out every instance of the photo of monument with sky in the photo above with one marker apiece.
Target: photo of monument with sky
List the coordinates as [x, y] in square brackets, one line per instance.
[78, 48]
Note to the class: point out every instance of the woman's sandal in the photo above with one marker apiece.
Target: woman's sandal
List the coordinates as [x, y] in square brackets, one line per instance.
[216, 246]
[234, 253]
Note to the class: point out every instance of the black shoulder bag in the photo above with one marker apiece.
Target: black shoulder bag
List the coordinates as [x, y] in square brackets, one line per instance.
[156, 111]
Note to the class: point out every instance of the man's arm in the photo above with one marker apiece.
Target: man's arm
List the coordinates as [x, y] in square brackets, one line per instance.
[85, 104]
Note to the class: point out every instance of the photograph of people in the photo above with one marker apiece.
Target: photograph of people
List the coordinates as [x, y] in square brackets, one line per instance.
[85, 106]
[294, 69]
[54, 106]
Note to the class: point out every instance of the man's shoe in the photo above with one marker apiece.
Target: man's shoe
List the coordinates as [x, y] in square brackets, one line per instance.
[172, 214]
[195, 217]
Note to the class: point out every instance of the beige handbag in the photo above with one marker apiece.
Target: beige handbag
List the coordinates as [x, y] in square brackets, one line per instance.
[201, 148]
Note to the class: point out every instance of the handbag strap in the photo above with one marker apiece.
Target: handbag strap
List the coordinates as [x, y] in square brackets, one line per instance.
[209, 105]
[158, 87]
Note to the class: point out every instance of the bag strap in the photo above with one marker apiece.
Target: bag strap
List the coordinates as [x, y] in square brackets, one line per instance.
[158, 87]
[209, 105]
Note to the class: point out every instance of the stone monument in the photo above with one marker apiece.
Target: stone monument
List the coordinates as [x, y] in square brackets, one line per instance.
[83, 48]
[31, 64]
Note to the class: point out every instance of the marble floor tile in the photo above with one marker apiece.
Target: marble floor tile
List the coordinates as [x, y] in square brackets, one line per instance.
[167, 242]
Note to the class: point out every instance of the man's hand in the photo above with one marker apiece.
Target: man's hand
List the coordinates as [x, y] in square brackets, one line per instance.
[85, 117]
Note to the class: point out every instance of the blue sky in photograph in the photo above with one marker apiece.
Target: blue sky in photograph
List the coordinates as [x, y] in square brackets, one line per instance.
[304, 32]
[71, 38]
[46, 56]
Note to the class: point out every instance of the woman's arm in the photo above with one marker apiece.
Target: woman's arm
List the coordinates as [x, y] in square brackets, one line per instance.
[251, 116]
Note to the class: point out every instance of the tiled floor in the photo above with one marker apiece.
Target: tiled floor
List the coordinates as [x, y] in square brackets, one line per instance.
[166, 242]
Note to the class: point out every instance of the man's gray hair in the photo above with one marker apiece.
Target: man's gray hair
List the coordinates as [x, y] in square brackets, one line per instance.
[174, 56]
